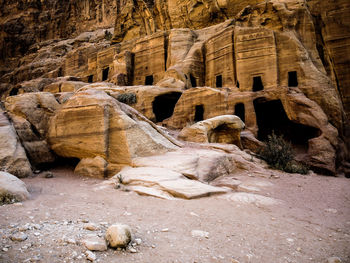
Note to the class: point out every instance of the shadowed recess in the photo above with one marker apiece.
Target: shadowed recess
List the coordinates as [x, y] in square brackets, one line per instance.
[163, 105]
[271, 116]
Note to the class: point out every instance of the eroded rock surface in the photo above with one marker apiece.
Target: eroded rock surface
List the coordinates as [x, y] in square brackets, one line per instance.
[12, 189]
[220, 129]
[92, 123]
[164, 183]
[13, 158]
[30, 114]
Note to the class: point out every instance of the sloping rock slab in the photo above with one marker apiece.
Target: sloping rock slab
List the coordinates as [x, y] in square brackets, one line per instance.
[166, 180]
[12, 155]
[12, 189]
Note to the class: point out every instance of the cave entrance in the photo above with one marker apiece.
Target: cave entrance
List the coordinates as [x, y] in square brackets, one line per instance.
[271, 117]
[149, 80]
[105, 74]
[66, 162]
[193, 81]
[292, 79]
[199, 113]
[257, 83]
[90, 78]
[224, 134]
[240, 111]
[163, 105]
[219, 81]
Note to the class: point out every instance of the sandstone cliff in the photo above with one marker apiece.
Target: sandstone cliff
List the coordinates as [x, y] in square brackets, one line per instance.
[27, 22]
[279, 65]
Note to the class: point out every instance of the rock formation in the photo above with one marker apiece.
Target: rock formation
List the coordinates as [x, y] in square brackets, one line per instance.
[12, 189]
[92, 123]
[30, 114]
[13, 158]
[27, 24]
[278, 65]
[221, 129]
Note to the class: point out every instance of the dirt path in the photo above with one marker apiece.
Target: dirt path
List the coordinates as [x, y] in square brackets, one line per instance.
[310, 224]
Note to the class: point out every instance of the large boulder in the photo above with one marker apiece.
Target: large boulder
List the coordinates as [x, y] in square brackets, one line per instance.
[181, 173]
[198, 164]
[220, 129]
[30, 114]
[13, 158]
[12, 189]
[92, 123]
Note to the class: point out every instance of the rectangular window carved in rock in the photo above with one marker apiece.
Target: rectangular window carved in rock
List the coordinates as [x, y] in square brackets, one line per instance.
[240, 111]
[90, 78]
[257, 83]
[149, 80]
[105, 74]
[199, 113]
[292, 79]
[219, 81]
[193, 81]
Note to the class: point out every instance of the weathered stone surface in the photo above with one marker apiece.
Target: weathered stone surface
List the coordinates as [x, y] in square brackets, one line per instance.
[19, 237]
[167, 181]
[146, 17]
[90, 256]
[199, 164]
[94, 167]
[205, 164]
[25, 23]
[332, 27]
[220, 129]
[148, 191]
[118, 235]
[13, 158]
[95, 243]
[91, 124]
[30, 114]
[226, 182]
[12, 189]
[64, 86]
[250, 142]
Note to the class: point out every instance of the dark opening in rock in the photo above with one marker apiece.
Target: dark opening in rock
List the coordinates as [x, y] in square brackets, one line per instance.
[70, 163]
[237, 84]
[292, 79]
[105, 74]
[257, 83]
[163, 105]
[193, 81]
[240, 111]
[271, 116]
[149, 80]
[14, 92]
[90, 78]
[219, 81]
[199, 113]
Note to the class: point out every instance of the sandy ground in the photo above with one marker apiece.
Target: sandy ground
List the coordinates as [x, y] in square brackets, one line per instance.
[310, 224]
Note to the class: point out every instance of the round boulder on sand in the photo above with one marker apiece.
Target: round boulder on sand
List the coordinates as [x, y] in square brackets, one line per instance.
[118, 235]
